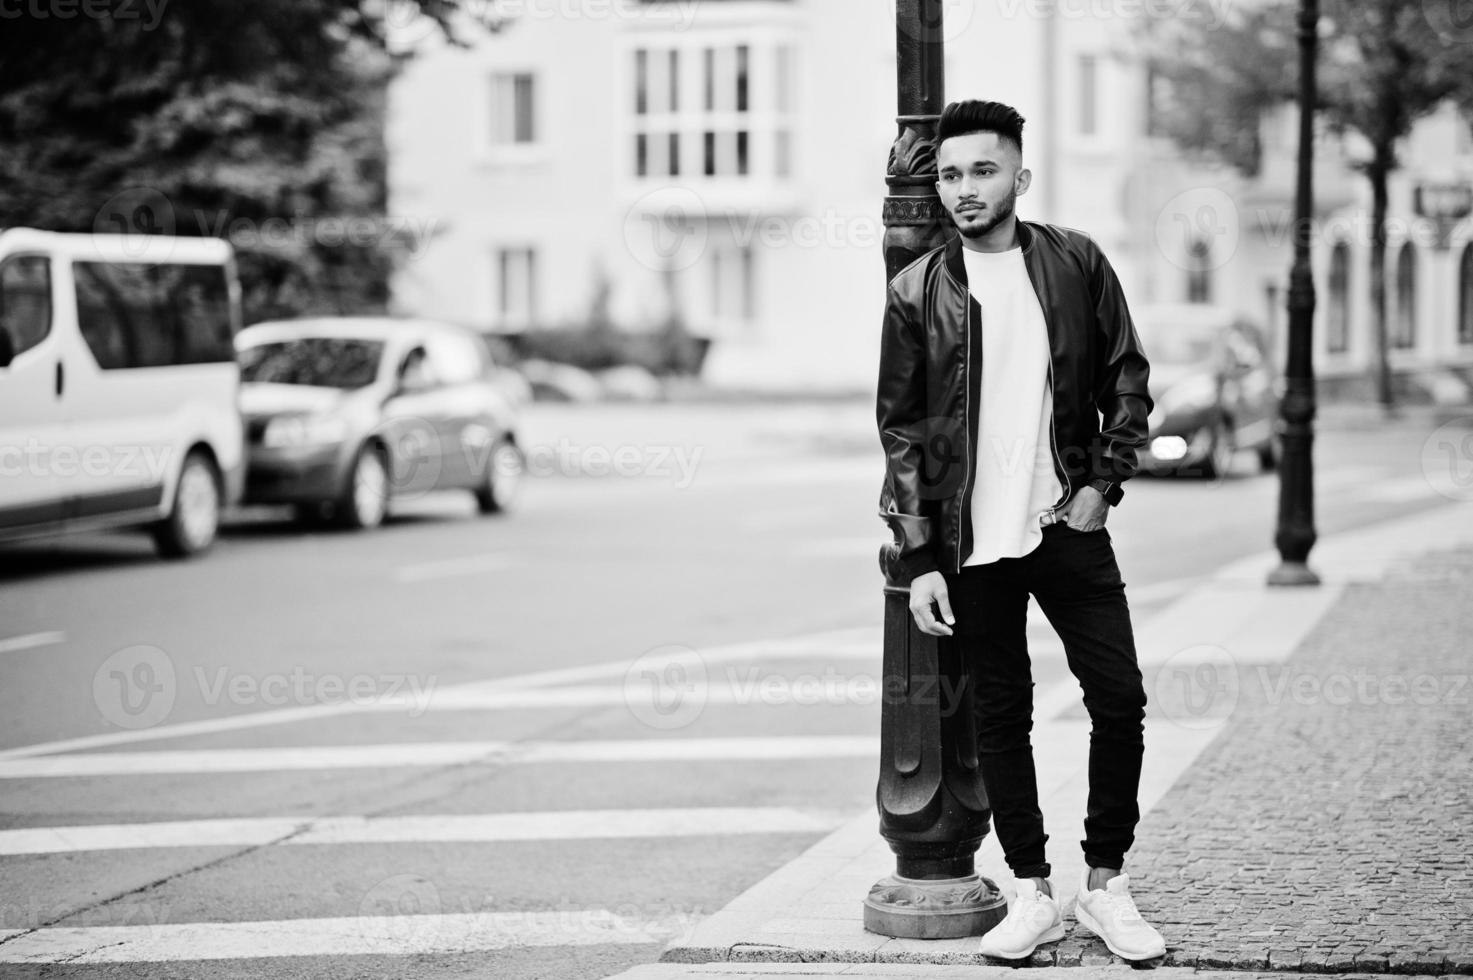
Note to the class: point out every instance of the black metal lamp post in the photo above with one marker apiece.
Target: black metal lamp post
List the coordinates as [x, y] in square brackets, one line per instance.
[1296, 534]
[933, 809]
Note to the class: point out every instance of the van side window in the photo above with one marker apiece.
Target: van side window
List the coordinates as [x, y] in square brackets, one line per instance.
[135, 315]
[25, 304]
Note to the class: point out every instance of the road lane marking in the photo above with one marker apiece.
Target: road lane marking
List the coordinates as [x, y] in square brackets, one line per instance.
[414, 754]
[364, 935]
[30, 641]
[447, 828]
[430, 571]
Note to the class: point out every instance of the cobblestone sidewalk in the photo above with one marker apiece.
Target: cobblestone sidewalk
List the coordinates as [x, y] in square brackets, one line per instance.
[1330, 826]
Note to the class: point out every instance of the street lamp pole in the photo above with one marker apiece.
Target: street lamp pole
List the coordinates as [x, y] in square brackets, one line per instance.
[1296, 534]
[933, 808]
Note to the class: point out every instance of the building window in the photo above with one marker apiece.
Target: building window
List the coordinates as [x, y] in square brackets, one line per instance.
[1088, 103]
[1465, 296]
[512, 110]
[1337, 321]
[727, 107]
[1199, 271]
[1404, 321]
[732, 288]
[516, 287]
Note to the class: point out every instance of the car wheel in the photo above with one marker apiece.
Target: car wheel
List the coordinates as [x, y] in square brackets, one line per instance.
[1219, 462]
[365, 501]
[502, 480]
[194, 520]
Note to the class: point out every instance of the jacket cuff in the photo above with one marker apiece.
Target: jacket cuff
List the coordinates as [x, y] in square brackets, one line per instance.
[920, 563]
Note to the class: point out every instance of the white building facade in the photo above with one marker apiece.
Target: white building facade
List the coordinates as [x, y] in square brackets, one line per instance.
[724, 159]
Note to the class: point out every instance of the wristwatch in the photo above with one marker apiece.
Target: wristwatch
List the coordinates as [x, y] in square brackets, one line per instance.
[1112, 492]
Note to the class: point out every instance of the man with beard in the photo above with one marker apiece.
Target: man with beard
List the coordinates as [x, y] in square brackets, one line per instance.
[1011, 403]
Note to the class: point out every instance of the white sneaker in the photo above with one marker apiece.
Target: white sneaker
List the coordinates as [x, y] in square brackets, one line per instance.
[1110, 913]
[1033, 918]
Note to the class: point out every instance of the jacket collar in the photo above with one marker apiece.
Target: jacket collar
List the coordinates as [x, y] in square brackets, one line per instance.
[953, 251]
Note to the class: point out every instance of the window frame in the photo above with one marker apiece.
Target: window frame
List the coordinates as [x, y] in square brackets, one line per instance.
[489, 148]
[48, 261]
[730, 125]
[502, 254]
[1403, 333]
[1337, 304]
[1464, 334]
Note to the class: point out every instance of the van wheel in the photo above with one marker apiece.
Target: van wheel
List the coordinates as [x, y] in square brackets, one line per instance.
[365, 500]
[194, 521]
[502, 480]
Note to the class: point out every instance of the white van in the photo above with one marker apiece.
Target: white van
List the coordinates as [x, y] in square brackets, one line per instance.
[118, 385]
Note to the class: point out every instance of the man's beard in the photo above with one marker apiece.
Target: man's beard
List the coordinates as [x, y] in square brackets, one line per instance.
[996, 215]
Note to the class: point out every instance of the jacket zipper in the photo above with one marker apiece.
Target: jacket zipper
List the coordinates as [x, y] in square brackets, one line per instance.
[1052, 438]
[966, 423]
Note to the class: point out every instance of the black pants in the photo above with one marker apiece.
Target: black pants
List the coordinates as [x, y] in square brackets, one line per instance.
[1076, 581]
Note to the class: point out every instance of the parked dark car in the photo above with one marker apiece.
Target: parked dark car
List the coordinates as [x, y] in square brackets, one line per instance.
[344, 414]
[1213, 384]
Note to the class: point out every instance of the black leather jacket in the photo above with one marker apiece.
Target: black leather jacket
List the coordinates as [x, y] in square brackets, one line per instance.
[930, 377]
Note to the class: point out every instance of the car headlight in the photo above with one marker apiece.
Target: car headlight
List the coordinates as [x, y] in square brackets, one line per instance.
[304, 430]
[1198, 391]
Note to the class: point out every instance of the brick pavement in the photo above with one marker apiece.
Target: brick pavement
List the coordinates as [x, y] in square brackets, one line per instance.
[1330, 826]
[1322, 825]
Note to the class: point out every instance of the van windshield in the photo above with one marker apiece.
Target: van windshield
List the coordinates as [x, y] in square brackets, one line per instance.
[323, 362]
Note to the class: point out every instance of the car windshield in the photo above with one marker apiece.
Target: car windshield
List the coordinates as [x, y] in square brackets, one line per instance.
[1176, 343]
[324, 362]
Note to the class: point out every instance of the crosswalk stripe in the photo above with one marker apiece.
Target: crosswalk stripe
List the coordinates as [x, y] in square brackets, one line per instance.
[392, 935]
[810, 645]
[464, 828]
[410, 754]
[30, 641]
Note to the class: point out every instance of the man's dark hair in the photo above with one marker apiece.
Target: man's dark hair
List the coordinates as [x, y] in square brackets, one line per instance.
[976, 116]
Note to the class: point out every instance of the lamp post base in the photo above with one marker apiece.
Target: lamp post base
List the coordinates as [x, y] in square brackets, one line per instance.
[941, 908]
[1293, 573]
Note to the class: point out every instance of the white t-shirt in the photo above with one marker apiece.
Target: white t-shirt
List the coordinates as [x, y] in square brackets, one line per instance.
[1013, 478]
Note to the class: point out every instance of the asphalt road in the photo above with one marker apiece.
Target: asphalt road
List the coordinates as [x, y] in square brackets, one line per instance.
[536, 745]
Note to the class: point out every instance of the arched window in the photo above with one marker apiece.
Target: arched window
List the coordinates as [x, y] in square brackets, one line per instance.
[1465, 296]
[1199, 271]
[1337, 320]
[1404, 320]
